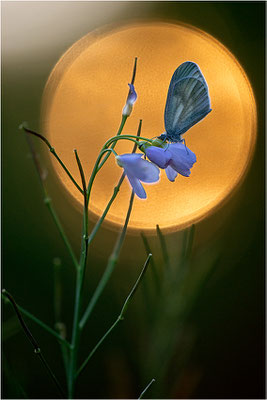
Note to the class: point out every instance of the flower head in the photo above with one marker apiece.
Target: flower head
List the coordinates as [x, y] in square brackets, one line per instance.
[174, 158]
[131, 99]
[137, 169]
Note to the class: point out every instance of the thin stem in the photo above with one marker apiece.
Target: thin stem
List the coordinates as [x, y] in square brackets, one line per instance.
[115, 192]
[163, 247]
[59, 325]
[105, 149]
[101, 219]
[40, 323]
[50, 372]
[146, 388]
[37, 349]
[134, 71]
[76, 332]
[113, 259]
[124, 137]
[190, 241]
[121, 315]
[47, 199]
[81, 171]
[53, 151]
[123, 119]
[153, 266]
[51, 209]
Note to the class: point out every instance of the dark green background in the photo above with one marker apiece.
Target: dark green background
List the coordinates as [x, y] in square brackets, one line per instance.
[224, 330]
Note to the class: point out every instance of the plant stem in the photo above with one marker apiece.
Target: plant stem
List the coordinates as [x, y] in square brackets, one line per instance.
[115, 192]
[123, 119]
[53, 151]
[115, 254]
[76, 332]
[101, 219]
[37, 349]
[41, 324]
[48, 203]
[120, 317]
[163, 248]
[146, 388]
[47, 199]
[153, 266]
[59, 325]
[113, 259]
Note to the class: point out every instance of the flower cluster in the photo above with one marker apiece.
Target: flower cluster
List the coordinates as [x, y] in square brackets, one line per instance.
[175, 158]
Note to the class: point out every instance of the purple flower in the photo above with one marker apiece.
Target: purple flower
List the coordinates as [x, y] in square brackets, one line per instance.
[174, 158]
[137, 169]
[131, 99]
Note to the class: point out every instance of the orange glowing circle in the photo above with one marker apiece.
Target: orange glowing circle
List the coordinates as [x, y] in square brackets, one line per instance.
[82, 106]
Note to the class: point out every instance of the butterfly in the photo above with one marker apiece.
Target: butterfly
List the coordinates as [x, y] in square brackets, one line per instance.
[188, 101]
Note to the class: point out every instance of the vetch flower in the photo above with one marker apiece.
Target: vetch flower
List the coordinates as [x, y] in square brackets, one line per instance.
[137, 169]
[174, 158]
[131, 99]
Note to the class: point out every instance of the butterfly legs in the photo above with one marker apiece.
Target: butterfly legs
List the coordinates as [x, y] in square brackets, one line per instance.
[183, 141]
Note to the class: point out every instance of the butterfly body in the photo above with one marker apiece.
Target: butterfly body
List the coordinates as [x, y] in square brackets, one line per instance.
[188, 101]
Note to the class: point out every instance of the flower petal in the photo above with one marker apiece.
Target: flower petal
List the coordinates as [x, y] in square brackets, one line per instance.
[158, 156]
[136, 185]
[132, 96]
[182, 156]
[136, 166]
[171, 173]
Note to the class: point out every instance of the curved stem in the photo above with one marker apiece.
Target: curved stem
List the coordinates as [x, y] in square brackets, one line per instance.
[115, 192]
[47, 199]
[36, 347]
[120, 317]
[123, 120]
[53, 151]
[121, 137]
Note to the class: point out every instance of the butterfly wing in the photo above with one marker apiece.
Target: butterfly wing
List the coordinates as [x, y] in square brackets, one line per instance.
[188, 99]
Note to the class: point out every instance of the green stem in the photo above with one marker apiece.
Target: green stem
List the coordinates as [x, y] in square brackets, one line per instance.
[115, 192]
[163, 248]
[123, 120]
[47, 199]
[113, 259]
[41, 324]
[53, 151]
[59, 325]
[50, 207]
[105, 149]
[37, 349]
[101, 219]
[124, 137]
[153, 266]
[116, 251]
[76, 332]
[120, 317]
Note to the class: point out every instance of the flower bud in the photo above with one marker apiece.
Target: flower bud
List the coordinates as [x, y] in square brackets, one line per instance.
[131, 99]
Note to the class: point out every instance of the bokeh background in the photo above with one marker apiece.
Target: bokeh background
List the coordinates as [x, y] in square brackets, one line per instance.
[201, 333]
